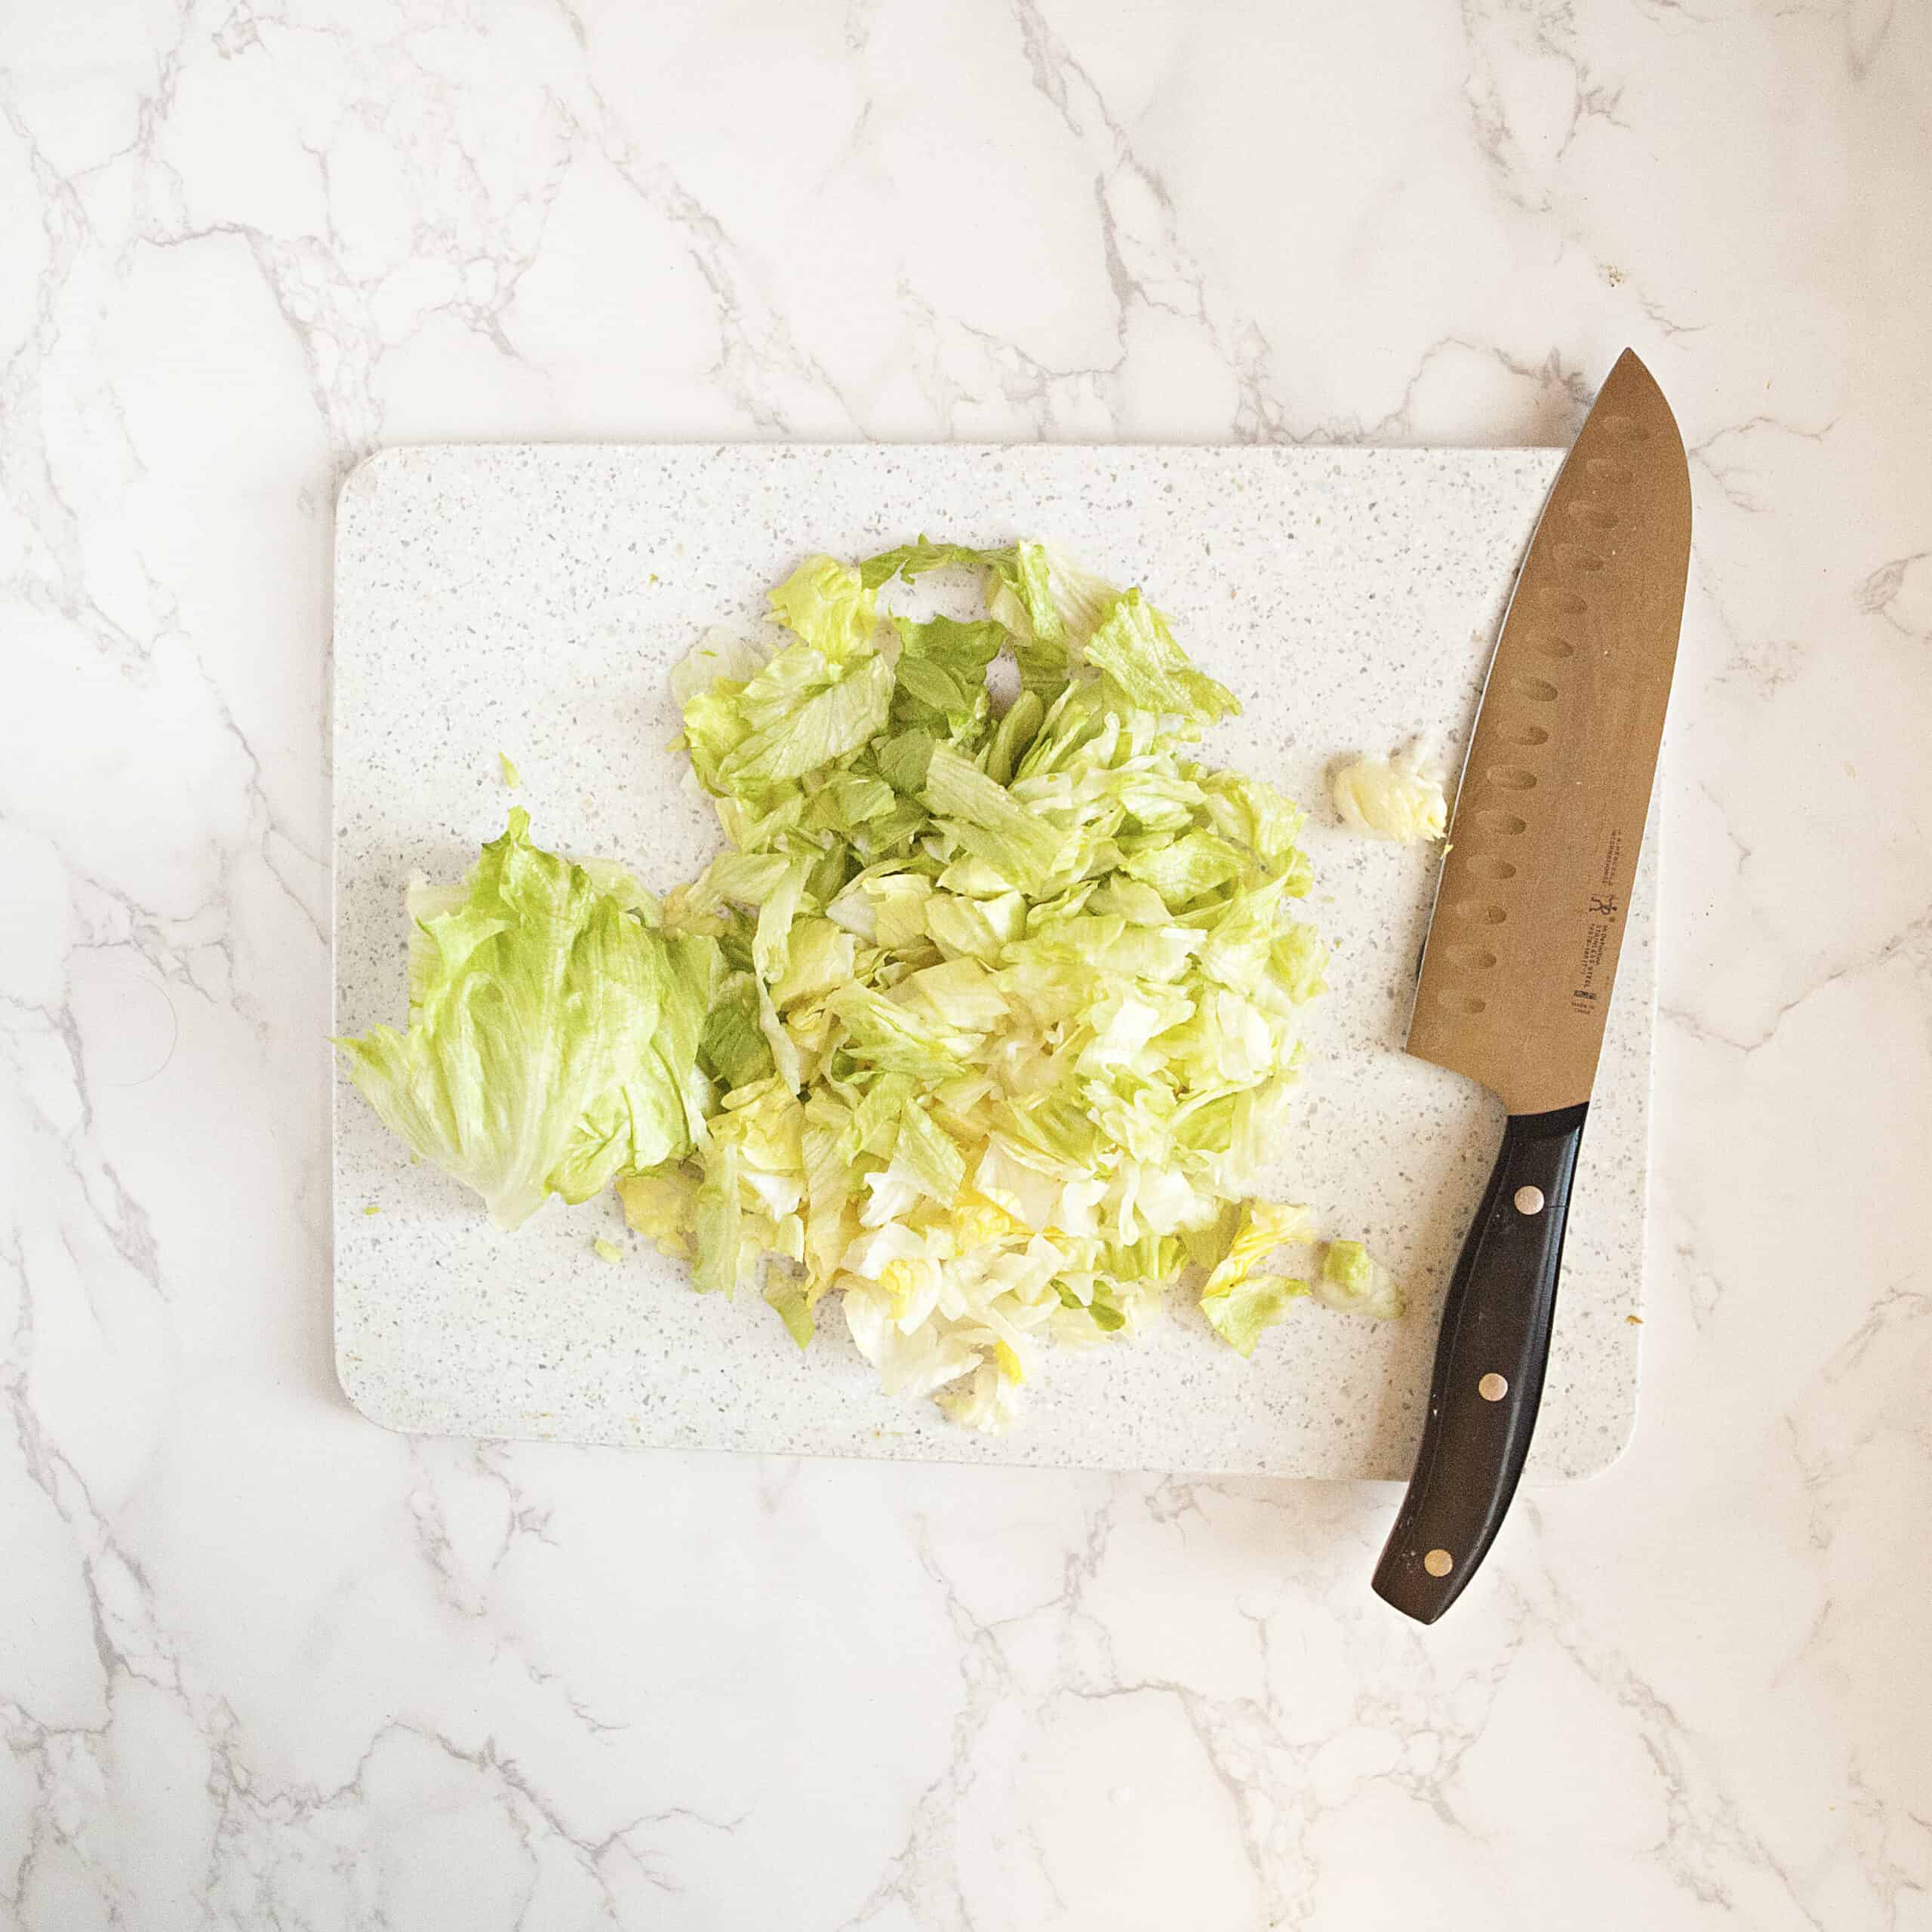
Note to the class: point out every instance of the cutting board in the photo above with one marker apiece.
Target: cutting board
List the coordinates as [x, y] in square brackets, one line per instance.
[531, 600]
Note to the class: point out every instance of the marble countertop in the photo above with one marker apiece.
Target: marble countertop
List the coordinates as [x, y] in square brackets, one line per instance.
[264, 1664]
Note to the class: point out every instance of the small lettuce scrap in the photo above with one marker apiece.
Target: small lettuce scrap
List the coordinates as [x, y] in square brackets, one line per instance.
[1239, 1303]
[1353, 1280]
[1399, 797]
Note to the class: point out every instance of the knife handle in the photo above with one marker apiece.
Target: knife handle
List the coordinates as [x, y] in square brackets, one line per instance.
[1489, 1369]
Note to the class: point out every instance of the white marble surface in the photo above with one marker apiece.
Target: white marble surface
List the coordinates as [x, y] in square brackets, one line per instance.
[262, 1664]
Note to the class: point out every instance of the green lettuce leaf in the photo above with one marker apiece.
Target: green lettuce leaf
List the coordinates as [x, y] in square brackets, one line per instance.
[987, 821]
[1013, 735]
[814, 710]
[732, 1047]
[552, 1039]
[1353, 1281]
[829, 607]
[929, 1156]
[1241, 1315]
[1137, 655]
[962, 648]
[912, 560]
[787, 1294]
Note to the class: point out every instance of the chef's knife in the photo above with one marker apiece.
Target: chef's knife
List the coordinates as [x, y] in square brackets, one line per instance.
[1522, 945]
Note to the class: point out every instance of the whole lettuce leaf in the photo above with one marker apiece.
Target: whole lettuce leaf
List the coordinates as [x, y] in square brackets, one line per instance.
[552, 1036]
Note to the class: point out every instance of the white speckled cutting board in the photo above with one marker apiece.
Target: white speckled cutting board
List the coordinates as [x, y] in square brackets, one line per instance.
[531, 601]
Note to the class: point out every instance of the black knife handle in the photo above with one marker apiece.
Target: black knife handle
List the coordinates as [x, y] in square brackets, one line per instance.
[1489, 1369]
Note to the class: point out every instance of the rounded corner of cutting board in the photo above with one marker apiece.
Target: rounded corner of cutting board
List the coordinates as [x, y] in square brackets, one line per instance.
[363, 478]
[372, 1398]
[1594, 1458]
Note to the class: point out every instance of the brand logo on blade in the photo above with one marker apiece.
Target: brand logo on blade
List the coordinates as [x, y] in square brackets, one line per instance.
[1602, 914]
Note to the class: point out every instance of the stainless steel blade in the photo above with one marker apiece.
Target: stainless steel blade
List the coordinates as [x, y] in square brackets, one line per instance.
[1523, 944]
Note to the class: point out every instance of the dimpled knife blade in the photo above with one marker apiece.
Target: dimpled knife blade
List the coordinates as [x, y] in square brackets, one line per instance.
[1529, 916]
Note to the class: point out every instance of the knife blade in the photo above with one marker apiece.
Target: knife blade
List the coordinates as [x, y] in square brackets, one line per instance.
[1514, 989]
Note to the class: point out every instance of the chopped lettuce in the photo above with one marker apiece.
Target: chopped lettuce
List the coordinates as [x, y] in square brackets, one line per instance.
[1142, 666]
[787, 1296]
[982, 1022]
[912, 560]
[827, 604]
[1240, 1316]
[662, 1205]
[1051, 606]
[1352, 1281]
[981, 816]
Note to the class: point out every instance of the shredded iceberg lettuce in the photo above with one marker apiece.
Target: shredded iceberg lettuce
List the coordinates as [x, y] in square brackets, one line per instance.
[982, 1022]
[1353, 1280]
